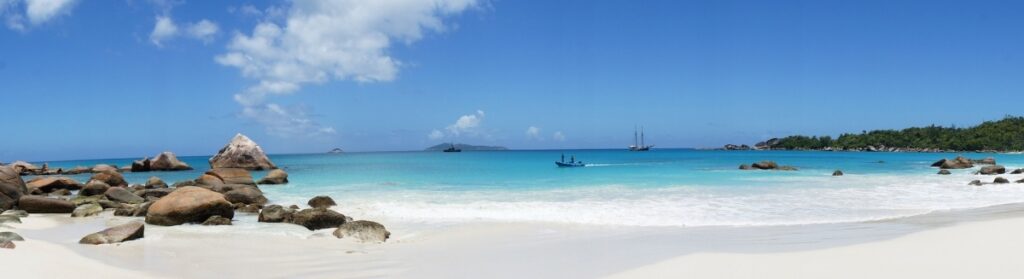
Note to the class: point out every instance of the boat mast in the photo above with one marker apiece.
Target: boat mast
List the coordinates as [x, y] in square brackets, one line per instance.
[634, 136]
[642, 137]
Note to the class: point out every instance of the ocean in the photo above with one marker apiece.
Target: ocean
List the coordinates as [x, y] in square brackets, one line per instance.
[660, 188]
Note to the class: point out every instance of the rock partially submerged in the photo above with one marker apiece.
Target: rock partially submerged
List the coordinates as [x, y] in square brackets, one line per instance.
[990, 170]
[767, 165]
[155, 182]
[975, 183]
[104, 168]
[12, 187]
[227, 176]
[363, 231]
[986, 161]
[276, 214]
[246, 195]
[275, 176]
[837, 173]
[944, 172]
[957, 163]
[318, 218]
[188, 205]
[243, 153]
[1000, 180]
[116, 234]
[321, 202]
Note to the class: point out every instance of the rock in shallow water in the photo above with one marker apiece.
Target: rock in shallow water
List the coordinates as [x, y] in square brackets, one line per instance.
[837, 173]
[116, 234]
[246, 195]
[990, 170]
[975, 183]
[1000, 180]
[321, 202]
[241, 152]
[275, 214]
[7, 245]
[944, 172]
[276, 176]
[363, 231]
[318, 218]
[16, 213]
[112, 178]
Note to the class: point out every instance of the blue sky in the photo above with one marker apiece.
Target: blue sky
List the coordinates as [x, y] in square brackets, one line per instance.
[98, 79]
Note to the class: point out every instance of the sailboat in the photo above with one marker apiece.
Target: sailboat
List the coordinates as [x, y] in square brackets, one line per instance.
[639, 146]
[452, 149]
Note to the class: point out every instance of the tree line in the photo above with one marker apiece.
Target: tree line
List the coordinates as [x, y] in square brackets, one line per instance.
[1001, 135]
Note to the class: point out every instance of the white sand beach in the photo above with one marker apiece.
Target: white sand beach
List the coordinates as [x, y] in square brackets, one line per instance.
[978, 243]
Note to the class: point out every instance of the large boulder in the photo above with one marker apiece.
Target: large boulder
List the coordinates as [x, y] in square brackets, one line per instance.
[957, 163]
[22, 167]
[122, 195]
[243, 153]
[50, 184]
[188, 205]
[246, 195]
[318, 218]
[986, 161]
[167, 161]
[11, 187]
[117, 234]
[229, 176]
[104, 168]
[363, 231]
[765, 165]
[112, 178]
[141, 165]
[1000, 180]
[275, 176]
[38, 204]
[321, 202]
[990, 170]
[276, 214]
[94, 187]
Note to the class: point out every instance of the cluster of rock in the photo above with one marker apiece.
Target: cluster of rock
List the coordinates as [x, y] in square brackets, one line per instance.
[773, 144]
[211, 199]
[165, 161]
[736, 147]
[961, 162]
[767, 165]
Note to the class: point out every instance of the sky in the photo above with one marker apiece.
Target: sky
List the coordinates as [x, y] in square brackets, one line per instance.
[131, 78]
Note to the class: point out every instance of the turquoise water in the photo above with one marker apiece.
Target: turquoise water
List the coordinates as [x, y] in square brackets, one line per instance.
[658, 188]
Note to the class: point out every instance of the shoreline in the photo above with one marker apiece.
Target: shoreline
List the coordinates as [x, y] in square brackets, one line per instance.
[495, 250]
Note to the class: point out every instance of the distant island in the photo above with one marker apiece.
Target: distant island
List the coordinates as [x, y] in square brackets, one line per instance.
[335, 151]
[465, 147]
[991, 136]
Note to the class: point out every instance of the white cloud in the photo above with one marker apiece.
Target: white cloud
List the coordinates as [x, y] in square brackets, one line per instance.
[39, 11]
[533, 133]
[466, 123]
[324, 40]
[204, 30]
[36, 12]
[163, 29]
[558, 136]
[435, 135]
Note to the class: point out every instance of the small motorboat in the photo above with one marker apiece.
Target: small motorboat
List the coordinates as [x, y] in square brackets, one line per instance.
[452, 149]
[572, 163]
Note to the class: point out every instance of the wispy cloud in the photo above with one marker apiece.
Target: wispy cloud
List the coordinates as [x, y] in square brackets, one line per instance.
[165, 29]
[324, 40]
[558, 136]
[468, 125]
[35, 12]
[533, 133]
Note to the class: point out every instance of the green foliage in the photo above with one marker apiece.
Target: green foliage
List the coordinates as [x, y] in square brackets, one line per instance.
[1003, 135]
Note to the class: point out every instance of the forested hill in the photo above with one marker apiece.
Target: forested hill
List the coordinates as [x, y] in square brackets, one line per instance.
[1002, 135]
